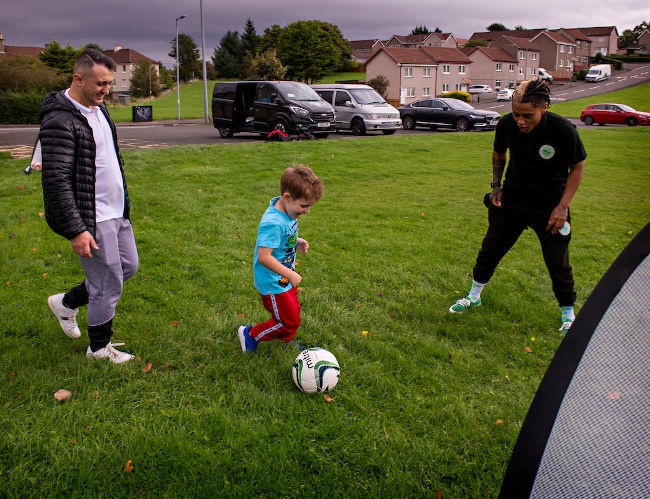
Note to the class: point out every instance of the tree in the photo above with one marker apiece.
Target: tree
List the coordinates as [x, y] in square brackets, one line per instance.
[93, 46]
[249, 39]
[144, 81]
[518, 27]
[312, 49]
[437, 30]
[228, 56]
[270, 38]
[266, 66]
[189, 61]
[496, 27]
[26, 74]
[420, 30]
[62, 59]
[380, 83]
[630, 37]
[476, 42]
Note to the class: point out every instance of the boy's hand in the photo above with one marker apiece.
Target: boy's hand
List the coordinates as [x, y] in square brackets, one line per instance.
[295, 279]
[302, 246]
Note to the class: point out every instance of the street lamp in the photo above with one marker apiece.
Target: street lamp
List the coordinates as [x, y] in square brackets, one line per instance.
[178, 79]
[205, 76]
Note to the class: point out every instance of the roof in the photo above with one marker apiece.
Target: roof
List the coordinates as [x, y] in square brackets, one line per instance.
[405, 55]
[519, 33]
[556, 37]
[14, 50]
[521, 43]
[494, 53]
[127, 56]
[362, 43]
[412, 38]
[599, 30]
[575, 33]
[446, 54]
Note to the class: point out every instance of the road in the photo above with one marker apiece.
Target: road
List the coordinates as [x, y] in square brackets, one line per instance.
[19, 139]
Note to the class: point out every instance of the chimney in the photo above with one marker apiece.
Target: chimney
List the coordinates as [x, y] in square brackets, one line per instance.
[2, 44]
[117, 47]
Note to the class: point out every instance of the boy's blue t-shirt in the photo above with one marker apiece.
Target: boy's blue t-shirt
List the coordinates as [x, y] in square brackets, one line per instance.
[280, 232]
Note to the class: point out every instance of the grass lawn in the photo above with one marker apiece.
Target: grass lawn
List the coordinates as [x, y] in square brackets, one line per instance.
[637, 97]
[426, 401]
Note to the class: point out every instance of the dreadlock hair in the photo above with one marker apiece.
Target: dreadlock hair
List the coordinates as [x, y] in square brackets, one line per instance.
[535, 91]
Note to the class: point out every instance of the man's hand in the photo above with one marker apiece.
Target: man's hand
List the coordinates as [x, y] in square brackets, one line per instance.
[495, 196]
[558, 217]
[302, 246]
[82, 244]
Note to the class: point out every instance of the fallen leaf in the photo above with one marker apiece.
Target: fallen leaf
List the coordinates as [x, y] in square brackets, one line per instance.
[33, 249]
[499, 421]
[422, 214]
[59, 255]
[328, 398]
[62, 395]
[528, 349]
[11, 376]
[357, 304]
[147, 368]
[174, 323]
[127, 467]
[138, 358]
[43, 274]
[238, 237]
[96, 393]
[241, 316]
[21, 187]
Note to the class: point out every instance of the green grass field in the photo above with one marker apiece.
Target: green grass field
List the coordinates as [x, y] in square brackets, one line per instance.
[636, 97]
[426, 401]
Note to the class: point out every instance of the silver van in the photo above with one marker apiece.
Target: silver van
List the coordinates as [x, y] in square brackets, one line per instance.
[359, 108]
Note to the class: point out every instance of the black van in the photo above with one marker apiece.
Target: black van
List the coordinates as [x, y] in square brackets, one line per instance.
[262, 106]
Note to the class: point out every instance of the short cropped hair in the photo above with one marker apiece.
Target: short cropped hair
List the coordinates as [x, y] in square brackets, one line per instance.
[535, 91]
[89, 57]
[300, 181]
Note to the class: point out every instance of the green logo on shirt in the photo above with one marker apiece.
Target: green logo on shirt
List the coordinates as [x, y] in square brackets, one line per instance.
[291, 242]
[547, 151]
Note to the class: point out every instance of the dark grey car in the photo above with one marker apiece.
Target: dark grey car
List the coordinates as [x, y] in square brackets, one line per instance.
[446, 113]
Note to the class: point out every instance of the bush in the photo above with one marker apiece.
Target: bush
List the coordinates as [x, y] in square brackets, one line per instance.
[601, 59]
[353, 66]
[580, 75]
[630, 57]
[380, 84]
[20, 108]
[464, 96]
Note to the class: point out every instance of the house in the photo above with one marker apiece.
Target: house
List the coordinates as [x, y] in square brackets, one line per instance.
[604, 39]
[642, 46]
[423, 40]
[126, 61]
[492, 66]
[522, 49]
[556, 53]
[9, 51]
[491, 36]
[362, 49]
[582, 46]
[415, 73]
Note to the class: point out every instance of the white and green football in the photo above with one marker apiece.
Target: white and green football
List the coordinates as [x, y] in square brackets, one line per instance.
[315, 370]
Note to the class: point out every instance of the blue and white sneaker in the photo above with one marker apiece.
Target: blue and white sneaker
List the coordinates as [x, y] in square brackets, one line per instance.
[248, 343]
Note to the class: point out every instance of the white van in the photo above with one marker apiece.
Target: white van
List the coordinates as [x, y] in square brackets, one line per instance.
[544, 75]
[359, 108]
[600, 72]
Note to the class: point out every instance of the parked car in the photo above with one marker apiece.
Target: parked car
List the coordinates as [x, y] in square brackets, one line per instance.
[544, 75]
[359, 108]
[598, 73]
[446, 113]
[613, 113]
[505, 94]
[263, 106]
[479, 89]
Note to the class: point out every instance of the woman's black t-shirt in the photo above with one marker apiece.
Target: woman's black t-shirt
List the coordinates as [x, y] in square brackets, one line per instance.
[539, 161]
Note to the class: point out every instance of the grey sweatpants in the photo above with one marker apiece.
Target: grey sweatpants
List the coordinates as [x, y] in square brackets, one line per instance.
[114, 262]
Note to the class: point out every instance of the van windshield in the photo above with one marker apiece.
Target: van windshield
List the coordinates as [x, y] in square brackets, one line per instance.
[594, 72]
[367, 96]
[296, 91]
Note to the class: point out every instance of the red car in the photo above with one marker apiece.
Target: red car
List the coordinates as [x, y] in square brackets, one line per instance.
[613, 113]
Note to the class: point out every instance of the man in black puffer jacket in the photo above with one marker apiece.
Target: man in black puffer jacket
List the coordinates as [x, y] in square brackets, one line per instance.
[86, 200]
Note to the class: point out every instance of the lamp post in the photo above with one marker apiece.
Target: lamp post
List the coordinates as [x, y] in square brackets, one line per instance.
[205, 76]
[178, 78]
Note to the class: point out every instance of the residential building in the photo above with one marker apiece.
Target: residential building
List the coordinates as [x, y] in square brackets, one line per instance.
[414, 73]
[492, 66]
[423, 40]
[582, 46]
[604, 39]
[363, 49]
[556, 54]
[9, 51]
[126, 61]
[524, 51]
[491, 36]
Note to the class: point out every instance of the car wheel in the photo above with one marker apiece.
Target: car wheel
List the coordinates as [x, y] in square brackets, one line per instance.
[281, 126]
[388, 132]
[321, 135]
[433, 127]
[631, 121]
[588, 120]
[226, 132]
[462, 124]
[408, 122]
[357, 127]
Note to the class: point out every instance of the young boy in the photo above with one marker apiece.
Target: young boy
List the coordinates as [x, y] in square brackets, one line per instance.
[275, 256]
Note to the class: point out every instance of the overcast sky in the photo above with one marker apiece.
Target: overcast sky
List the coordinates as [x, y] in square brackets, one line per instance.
[148, 26]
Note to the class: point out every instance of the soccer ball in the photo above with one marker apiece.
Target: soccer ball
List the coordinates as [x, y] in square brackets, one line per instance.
[315, 370]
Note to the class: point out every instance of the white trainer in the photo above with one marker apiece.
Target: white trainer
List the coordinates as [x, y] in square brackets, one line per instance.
[67, 316]
[109, 352]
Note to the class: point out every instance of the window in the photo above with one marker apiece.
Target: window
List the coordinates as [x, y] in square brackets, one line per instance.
[533, 71]
[410, 92]
[498, 66]
[263, 93]
[341, 98]
[426, 72]
[511, 68]
[124, 83]
[578, 42]
[522, 71]
[584, 59]
[497, 83]
[326, 95]
[426, 92]
[461, 69]
[561, 49]
[522, 54]
[459, 86]
[123, 68]
[601, 39]
[408, 72]
[561, 63]
[570, 50]
[533, 56]
[511, 84]
[446, 68]
[445, 87]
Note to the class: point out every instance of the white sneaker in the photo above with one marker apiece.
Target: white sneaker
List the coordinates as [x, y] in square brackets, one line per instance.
[67, 316]
[110, 352]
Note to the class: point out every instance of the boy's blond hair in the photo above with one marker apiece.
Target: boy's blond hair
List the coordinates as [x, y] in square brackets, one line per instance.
[300, 181]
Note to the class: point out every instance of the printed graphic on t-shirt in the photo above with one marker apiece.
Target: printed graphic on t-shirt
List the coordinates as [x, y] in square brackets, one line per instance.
[547, 151]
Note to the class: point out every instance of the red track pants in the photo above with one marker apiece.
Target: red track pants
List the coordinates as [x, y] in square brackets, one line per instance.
[285, 317]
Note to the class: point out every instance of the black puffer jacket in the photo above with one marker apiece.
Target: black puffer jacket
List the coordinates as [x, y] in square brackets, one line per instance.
[68, 156]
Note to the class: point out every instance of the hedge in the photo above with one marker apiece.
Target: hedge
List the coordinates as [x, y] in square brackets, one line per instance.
[20, 108]
[464, 96]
